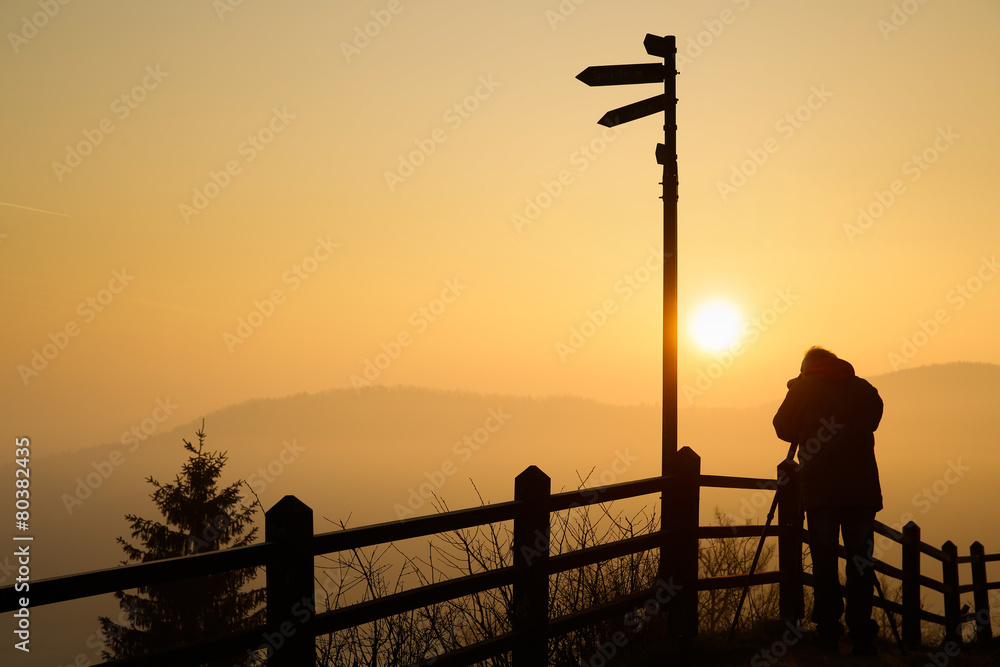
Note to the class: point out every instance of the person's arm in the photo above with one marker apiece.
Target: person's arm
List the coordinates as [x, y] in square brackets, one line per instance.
[786, 419]
[877, 407]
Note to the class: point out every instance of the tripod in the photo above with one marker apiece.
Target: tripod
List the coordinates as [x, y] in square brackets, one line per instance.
[760, 548]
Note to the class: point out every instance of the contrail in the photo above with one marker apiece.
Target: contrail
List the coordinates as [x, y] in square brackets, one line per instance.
[37, 210]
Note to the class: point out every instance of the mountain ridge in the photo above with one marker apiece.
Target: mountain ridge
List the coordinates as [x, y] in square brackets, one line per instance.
[986, 369]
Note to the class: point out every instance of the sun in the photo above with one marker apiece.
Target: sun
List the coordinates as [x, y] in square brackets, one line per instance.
[716, 325]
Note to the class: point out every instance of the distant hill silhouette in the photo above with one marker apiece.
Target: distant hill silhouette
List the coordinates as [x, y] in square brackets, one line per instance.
[364, 456]
[350, 454]
[345, 453]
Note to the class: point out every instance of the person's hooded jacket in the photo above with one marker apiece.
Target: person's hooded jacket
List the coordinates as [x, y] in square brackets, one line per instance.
[832, 414]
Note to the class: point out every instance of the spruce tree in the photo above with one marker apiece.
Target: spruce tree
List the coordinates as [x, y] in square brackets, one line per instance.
[198, 517]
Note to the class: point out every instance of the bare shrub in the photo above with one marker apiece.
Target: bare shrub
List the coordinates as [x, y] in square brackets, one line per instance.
[719, 557]
[367, 574]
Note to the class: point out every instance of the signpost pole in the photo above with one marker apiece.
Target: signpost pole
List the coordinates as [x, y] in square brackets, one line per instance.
[670, 196]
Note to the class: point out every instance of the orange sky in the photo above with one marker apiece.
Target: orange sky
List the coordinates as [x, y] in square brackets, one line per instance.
[428, 181]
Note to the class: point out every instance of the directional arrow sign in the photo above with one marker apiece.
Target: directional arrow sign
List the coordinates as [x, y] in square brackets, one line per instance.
[613, 75]
[662, 47]
[633, 111]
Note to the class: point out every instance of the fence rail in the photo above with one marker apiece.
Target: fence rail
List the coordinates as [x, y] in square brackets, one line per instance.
[290, 546]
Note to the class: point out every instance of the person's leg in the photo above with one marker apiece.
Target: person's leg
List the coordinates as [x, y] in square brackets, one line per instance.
[824, 538]
[857, 523]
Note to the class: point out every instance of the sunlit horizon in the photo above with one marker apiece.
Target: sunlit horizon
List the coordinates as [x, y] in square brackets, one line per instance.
[193, 210]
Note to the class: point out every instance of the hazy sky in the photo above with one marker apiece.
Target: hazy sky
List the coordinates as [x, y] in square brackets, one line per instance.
[208, 202]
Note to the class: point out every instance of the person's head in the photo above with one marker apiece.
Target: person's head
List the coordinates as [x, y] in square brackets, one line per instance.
[815, 353]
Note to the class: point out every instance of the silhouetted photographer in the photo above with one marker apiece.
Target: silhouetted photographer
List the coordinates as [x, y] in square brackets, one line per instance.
[832, 414]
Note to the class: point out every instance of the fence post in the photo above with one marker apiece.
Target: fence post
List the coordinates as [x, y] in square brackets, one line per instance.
[911, 585]
[790, 595]
[952, 600]
[981, 595]
[290, 593]
[530, 597]
[679, 546]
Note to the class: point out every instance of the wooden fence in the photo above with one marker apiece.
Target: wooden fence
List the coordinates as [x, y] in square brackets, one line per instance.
[289, 549]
